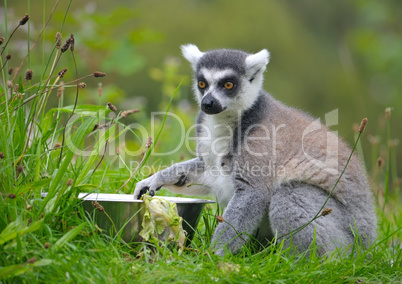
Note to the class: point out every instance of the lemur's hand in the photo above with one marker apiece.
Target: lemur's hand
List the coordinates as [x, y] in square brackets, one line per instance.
[150, 184]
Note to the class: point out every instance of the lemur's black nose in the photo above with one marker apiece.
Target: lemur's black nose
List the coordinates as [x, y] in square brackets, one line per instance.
[207, 104]
[210, 105]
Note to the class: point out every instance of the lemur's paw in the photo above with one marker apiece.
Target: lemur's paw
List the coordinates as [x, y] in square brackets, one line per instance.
[144, 186]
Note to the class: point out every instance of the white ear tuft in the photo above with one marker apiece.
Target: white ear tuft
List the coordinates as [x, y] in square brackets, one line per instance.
[191, 53]
[256, 62]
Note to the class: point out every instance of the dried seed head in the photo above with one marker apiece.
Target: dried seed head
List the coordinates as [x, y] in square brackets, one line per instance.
[363, 125]
[72, 42]
[24, 20]
[112, 107]
[70, 39]
[32, 260]
[95, 127]
[1, 155]
[9, 84]
[20, 169]
[10, 71]
[29, 75]
[47, 245]
[99, 74]
[1, 40]
[8, 57]
[62, 73]
[148, 143]
[98, 206]
[220, 219]
[380, 162]
[58, 40]
[69, 182]
[128, 112]
[387, 112]
[326, 211]
[11, 196]
[65, 46]
[81, 85]
[118, 150]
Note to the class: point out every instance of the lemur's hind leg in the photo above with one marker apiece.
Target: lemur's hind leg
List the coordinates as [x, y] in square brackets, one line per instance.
[293, 205]
[243, 216]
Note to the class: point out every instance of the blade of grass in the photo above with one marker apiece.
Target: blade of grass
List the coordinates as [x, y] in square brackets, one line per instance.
[93, 156]
[78, 137]
[17, 228]
[68, 237]
[387, 162]
[13, 270]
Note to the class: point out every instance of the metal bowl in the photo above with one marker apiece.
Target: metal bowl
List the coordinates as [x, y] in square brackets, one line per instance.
[127, 213]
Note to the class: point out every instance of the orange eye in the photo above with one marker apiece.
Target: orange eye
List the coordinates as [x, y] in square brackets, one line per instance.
[228, 85]
[201, 84]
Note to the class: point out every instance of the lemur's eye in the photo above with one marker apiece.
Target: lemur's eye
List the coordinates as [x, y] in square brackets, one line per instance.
[202, 84]
[228, 85]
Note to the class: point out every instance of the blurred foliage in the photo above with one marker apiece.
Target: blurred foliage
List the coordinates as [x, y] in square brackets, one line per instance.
[324, 55]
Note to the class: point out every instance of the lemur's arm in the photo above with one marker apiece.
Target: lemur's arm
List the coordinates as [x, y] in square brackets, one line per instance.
[187, 177]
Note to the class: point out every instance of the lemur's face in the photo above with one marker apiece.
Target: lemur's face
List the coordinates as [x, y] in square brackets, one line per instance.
[216, 89]
[226, 80]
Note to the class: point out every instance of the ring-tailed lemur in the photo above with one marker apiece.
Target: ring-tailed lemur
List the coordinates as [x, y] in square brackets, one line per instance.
[272, 165]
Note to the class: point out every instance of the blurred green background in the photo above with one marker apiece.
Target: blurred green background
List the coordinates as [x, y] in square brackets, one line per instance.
[325, 55]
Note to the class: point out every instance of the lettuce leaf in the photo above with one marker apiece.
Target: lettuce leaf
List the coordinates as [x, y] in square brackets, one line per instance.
[161, 221]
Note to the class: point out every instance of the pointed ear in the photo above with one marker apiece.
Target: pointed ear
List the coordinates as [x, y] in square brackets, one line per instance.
[192, 54]
[256, 62]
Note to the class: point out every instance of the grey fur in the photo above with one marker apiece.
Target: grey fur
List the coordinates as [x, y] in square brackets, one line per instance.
[272, 165]
[224, 59]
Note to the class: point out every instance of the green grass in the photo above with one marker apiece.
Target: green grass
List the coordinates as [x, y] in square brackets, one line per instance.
[47, 240]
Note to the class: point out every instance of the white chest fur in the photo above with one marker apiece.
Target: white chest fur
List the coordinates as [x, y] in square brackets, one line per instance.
[214, 142]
